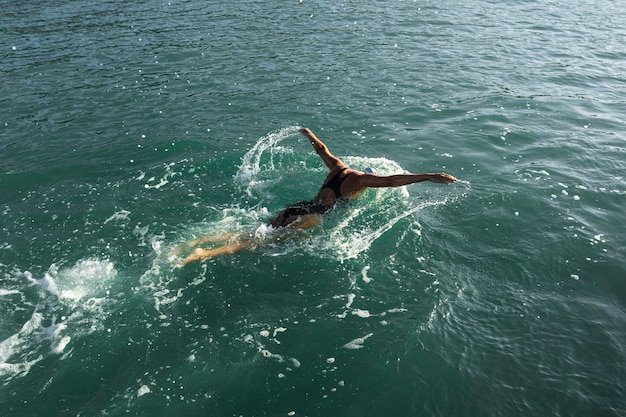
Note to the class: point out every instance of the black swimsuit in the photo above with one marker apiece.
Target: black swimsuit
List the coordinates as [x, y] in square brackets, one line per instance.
[305, 207]
[335, 183]
[311, 207]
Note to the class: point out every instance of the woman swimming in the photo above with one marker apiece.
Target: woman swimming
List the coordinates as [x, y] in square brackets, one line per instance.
[341, 185]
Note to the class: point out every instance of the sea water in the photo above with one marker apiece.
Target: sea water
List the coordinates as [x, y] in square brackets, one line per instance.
[130, 128]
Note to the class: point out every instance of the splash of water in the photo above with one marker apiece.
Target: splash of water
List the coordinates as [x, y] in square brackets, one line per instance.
[261, 157]
[70, 302]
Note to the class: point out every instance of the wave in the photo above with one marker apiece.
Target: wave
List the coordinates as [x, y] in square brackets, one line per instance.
[61, 305]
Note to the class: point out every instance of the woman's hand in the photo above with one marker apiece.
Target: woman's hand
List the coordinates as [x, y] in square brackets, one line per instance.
[441, 178]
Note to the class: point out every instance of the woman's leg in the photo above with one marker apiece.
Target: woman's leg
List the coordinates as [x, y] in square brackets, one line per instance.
[201, 254]
[209, 239]
[305, 221]
[199, 241]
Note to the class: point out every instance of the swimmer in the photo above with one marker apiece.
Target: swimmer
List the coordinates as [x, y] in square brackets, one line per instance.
[341, 185]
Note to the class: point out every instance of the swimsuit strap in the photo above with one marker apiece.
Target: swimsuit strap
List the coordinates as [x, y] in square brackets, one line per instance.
[335, 183]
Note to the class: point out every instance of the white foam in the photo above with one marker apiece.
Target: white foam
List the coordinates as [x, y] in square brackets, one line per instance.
[266, 353]
[48, 284]
[264, 350]
[81, 287]
[264, 231]
[141, 234]
[165, 179]
[350, 300]
[20, 351]
[59, 347]
[8, 346]
[539, 172]
[89, 278]
[366, 279]
[143, 390]
[358, 342]
[117, 216]
[11, 370]
[279, 330]
[361, 313]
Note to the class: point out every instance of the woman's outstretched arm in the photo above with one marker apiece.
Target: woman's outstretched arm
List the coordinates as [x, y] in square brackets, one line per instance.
[364, 180]
[331, 161]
